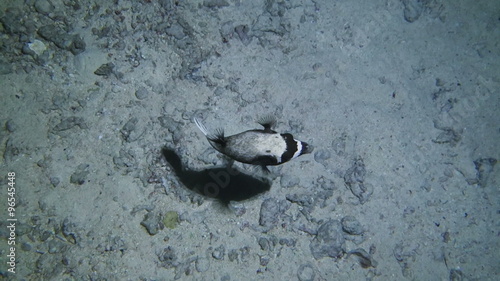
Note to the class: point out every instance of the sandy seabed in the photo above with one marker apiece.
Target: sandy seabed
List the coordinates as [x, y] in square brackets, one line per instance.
[108, 178]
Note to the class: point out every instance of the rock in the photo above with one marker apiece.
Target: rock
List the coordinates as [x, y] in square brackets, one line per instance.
[456, 275]
[61, 38]
[130, 131]
[288, 241]
[141, 93]
[120, 46]
[202, 264]
[364, 258]
[327, 187]
[449, 136]
[69, 231]
[270, 24]
[54, 181]
[142, 207]
[49, 266]
[70, 122]
[215, 3]
[237, 207]
[169, 123]
[339, 144]
[329, 242]
[11, 126]
[105, 69]
[322, 155]
[77, 46]
[80, 174]
[413, 9]
[26, 247]
[36, 47]
[270, 212]
[264, 244]
[226, 32]
[233, 255]
[264, 260]
[245, 254]
[176, 31]
[126, 159]
[56, 246]
[44, 7]
[268, 244]
[23, 228]
[351, 226]
[11, 150]
[12, 21]
[219, 252]
[167, 257]
[276, 7]
[152, 223]
[171, 219]
[484, 167]
[356, 173]
[242, 32]
[288, 181]
[306, 272]
[305, 200]
[5, 68]
[112, 244]
[354, 178]
[45, 235]
[184, 268]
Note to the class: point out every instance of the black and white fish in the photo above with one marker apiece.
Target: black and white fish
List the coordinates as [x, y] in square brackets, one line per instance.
[257, 147]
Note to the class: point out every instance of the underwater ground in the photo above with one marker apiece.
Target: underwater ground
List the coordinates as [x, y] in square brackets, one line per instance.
[104, 175]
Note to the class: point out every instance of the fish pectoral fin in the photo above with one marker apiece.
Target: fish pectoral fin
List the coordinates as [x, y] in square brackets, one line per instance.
[200, 126]
[265, 160]
[265, 169]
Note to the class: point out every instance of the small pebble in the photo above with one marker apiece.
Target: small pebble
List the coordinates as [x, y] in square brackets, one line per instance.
[306, 273]
[270, 212]
[80, 175]
[55, 246]
[237, 207]
[116, 89]
[264, 244]
[322, 155]
[351, 225]
[233, 255]
[152, 223]
[26, 247]
[54, 181]
[288, 181]
[44, 7]
[105, 69]
[364, 258]
[329, 242]
[202, 264]
[264, 260]
[141, 93]
[219, 252]
[10, 126]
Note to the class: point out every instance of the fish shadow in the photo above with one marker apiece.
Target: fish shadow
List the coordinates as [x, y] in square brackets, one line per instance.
[222, 183]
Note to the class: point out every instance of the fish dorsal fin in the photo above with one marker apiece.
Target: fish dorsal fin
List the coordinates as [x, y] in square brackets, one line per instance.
[267, 121]
[217, 137]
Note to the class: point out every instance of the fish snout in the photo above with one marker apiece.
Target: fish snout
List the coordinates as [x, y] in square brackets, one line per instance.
[306, 148]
